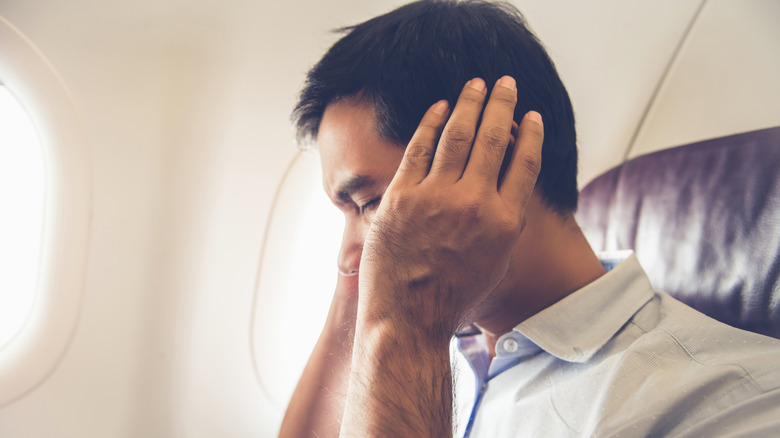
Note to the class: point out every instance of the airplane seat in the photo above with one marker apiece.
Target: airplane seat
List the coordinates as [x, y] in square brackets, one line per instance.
[704, 221]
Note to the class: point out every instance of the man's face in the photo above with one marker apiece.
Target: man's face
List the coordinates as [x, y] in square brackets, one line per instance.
[357, 167]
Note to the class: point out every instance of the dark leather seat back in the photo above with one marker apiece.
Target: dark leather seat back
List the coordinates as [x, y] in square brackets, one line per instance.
[704, 221]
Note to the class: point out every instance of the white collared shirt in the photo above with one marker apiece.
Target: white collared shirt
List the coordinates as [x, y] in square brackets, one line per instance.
[615, 359]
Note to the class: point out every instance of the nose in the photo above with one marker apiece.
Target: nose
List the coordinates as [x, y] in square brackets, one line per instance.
[351, 248]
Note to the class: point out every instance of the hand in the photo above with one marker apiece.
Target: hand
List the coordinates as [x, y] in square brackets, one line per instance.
[317, 405]
[442, 238]
[339, 327]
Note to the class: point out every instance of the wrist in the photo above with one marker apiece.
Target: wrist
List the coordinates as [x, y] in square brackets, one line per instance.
[341, 315]
[395, 333]
[411, 310]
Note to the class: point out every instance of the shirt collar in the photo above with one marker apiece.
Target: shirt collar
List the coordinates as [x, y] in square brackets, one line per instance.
[576, 327]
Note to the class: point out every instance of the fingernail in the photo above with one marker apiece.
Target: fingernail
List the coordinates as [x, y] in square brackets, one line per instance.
[507, 81]
[440, 107]
[534, 116]
[477, 84]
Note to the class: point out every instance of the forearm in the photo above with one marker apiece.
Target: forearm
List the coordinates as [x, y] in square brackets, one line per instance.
[317, 404]
[439, 244]
[400, 384]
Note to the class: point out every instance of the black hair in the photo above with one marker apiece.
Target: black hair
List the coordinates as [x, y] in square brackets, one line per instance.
[404, 61]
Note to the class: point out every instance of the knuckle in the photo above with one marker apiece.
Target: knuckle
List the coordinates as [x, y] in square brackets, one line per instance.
[472, 202]
[470, 212]
[531, 163]
[457, 133]
[396, 200]
[418, 152]
[393, 207]
[448, 163]
[496, 137]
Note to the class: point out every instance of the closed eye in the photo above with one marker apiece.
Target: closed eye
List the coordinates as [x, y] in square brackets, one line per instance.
[370, 205]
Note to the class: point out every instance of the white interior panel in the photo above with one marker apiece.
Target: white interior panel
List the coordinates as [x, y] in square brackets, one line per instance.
[185, 106]
[38, 347]
[611, 54]
[724, 81]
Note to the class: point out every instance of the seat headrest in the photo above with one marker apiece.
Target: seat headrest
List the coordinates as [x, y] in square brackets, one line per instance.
[704, 221]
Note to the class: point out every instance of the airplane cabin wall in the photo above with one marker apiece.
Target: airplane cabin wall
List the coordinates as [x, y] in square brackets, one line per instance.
[723, 81]
[185, 106]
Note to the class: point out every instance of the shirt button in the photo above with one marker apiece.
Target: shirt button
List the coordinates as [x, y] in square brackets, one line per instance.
[510, 345]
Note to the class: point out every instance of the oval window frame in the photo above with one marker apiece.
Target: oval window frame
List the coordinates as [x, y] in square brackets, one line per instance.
[271, 334]
[41, 343]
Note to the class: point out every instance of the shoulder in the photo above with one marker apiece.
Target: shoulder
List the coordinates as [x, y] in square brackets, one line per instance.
[690, 372]
[673, 329]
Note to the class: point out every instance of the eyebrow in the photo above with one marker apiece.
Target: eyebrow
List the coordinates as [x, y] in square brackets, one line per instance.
[352, 185]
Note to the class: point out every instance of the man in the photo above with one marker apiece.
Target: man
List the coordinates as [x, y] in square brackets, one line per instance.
[449, 233]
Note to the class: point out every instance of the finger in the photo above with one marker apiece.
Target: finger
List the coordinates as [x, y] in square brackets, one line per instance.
[525, 163]
[419, 152]
[458, 135]
[494, 133]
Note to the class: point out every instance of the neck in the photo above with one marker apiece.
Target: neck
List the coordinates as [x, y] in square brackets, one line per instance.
[551, 260]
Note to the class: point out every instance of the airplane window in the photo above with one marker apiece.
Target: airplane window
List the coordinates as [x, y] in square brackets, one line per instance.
[45, 206]
[297, 278]
[21, 200]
